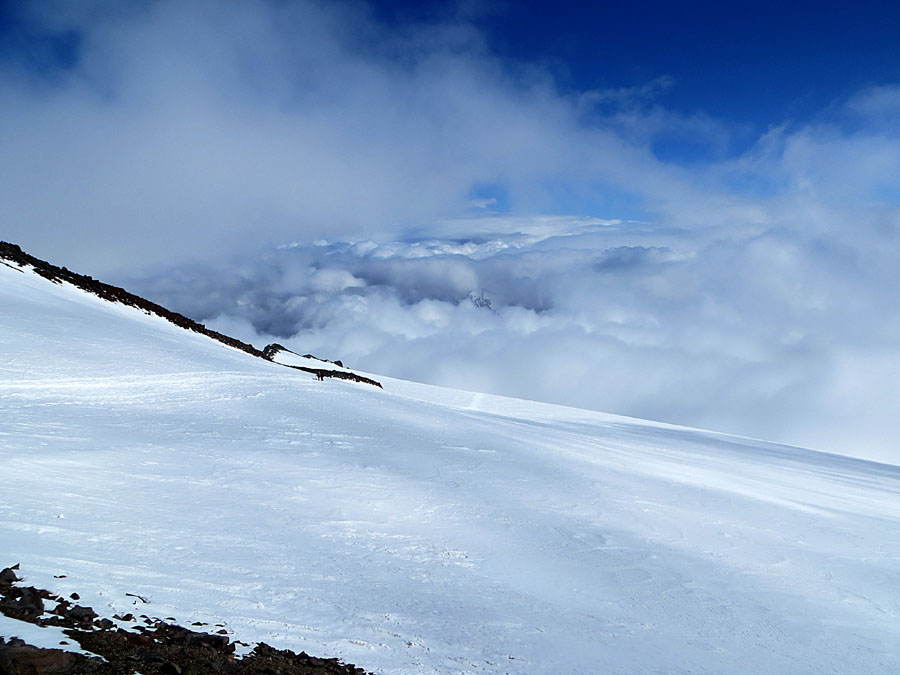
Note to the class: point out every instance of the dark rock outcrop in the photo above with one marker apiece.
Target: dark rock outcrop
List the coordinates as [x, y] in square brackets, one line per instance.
[8, 576]
[271, 350]
[321, 373]
[115, 294]
[56, 274]
[23, 603]
[159, 648]
[18, 658]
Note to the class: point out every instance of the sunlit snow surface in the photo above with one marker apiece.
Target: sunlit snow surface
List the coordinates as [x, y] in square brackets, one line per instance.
[423, 530]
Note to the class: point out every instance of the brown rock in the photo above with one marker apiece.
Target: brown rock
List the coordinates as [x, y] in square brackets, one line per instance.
[82, 614]
[7, 577]
[18, 658]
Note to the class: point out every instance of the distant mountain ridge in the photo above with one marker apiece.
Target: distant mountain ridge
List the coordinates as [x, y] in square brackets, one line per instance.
[14, 253]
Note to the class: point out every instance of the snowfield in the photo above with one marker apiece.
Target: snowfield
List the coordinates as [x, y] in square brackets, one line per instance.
[423, 530]
[288, 358]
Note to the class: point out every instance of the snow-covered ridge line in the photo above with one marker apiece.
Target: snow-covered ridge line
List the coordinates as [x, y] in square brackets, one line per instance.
[112, 293]
[116, 294]
[312, 364]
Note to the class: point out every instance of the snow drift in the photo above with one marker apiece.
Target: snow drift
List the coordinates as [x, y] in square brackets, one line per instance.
[418, 529]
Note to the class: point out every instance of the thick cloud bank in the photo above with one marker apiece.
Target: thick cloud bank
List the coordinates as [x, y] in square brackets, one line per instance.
[749, 285]
[135, 132]
[758, 331]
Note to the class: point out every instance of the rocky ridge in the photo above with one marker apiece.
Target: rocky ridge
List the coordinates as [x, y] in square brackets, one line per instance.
[152, 647]
[15, 254]
[272, 350]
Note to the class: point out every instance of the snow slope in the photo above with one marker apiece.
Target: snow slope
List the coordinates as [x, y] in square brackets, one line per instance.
[286, 357]
[423, 530]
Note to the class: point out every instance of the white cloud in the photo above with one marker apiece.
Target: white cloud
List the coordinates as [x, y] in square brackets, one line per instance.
[190, 128]
[756, 295]
[780, 331]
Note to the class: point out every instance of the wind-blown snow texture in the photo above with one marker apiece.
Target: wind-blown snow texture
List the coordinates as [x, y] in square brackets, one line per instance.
[419, 529]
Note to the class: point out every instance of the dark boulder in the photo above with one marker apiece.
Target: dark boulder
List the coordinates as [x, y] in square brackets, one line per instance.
[83, 615]
[18, 658]
[25, 604]
[7, 577]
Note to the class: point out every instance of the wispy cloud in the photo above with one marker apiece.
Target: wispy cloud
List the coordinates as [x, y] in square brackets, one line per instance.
[182, 128]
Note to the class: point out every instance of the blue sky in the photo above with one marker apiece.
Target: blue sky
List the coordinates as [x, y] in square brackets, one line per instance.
[750, 63]
[721, 74]
[688, 213]
[757, 63]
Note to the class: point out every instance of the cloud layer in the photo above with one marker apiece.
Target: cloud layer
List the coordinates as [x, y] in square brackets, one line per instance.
[749, 285]
[771, 332]
[180, 127]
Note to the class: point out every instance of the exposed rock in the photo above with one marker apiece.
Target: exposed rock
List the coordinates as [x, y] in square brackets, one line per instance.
[321, 373]
[24, 604]
[115, 294]
[271, 350]
[157, 649]
[18, 658]
[119, 295]
[82, 615]
[7, 576]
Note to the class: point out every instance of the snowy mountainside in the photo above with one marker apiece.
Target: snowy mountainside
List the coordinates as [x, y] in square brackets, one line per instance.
[14, 257]
[281, 354]
[417, 529]
[319, 367]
